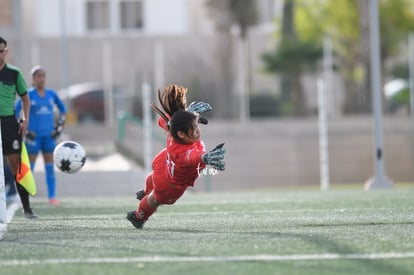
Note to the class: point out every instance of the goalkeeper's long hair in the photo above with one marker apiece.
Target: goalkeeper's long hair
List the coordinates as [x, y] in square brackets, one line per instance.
[172, 98]
[182, 121]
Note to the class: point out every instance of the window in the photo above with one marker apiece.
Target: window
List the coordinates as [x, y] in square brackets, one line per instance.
[131, 14]
[97, 13]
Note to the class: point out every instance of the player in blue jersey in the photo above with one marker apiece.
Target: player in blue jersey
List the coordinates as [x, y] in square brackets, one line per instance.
[42, 130]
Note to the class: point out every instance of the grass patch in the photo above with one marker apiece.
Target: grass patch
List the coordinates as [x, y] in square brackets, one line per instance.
[218, 225]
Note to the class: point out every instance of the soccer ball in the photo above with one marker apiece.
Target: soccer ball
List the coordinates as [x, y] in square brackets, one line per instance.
[69, 157]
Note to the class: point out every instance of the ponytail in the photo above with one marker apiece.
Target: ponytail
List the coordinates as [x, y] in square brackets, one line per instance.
[172, 99]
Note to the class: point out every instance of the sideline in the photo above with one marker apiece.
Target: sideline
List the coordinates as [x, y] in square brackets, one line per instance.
[242, 258]
[11, 210]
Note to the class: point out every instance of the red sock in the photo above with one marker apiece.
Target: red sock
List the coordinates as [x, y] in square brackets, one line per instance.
[148, 185]
[144, 210]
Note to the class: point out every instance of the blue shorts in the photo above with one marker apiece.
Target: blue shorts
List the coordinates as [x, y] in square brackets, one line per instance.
[45, 144]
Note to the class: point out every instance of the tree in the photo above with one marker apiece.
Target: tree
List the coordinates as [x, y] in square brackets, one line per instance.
[227, 13]
[293, 56]
[241, 13]
[291, 60]
[365, 61]
[340, 21]
[347, 23]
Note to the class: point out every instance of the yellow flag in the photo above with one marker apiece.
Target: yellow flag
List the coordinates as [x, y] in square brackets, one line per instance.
[24, 174]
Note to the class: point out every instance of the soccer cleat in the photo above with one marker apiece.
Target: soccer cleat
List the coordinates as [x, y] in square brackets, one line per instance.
[29, 214]
[54, 202]
[140, 194]
[133, 219]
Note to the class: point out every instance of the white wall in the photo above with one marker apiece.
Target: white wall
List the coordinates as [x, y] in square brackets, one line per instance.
[43, 17]
[199, 17]
[166, 17]
[163, 17]
[75, 16]
[46, 16]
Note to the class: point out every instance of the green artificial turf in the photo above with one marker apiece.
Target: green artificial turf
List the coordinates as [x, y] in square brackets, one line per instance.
[92, 236]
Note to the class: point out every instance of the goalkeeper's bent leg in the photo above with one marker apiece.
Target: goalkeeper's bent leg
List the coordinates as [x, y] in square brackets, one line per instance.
[144, 210]
[149, 186]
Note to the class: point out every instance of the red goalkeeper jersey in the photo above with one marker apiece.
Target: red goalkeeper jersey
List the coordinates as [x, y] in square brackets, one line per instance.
[181, 162]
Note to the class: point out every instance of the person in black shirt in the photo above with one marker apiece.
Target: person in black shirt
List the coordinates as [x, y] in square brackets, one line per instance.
[12, 82]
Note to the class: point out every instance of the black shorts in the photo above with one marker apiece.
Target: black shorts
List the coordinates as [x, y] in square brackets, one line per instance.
[11, 139]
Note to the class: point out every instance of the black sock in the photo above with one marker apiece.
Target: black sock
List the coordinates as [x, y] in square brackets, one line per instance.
[24, 196]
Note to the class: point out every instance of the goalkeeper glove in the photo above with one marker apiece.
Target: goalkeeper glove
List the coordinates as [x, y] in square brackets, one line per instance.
[202, 120]
[215, 157]
[199, 107]
[59, 127]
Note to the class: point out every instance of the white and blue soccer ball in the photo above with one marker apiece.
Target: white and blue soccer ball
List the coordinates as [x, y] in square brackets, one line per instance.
[69, 157]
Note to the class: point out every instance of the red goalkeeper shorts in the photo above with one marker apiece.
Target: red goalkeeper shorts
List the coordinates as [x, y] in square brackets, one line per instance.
[163, 190]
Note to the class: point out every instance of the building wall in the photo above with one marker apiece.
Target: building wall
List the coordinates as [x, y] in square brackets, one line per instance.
[11, 28]
[43, 17]
[160, 17]
[192, 61]
[206, 63]
[286, 152]
[166, 17]
[195, 55]
[6, 10]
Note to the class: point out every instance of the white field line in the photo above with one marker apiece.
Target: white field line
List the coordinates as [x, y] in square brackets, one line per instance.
[225, 212]
[180, 203]
[189, 259]
[170, 214]
[3, 229]
[11, 210]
